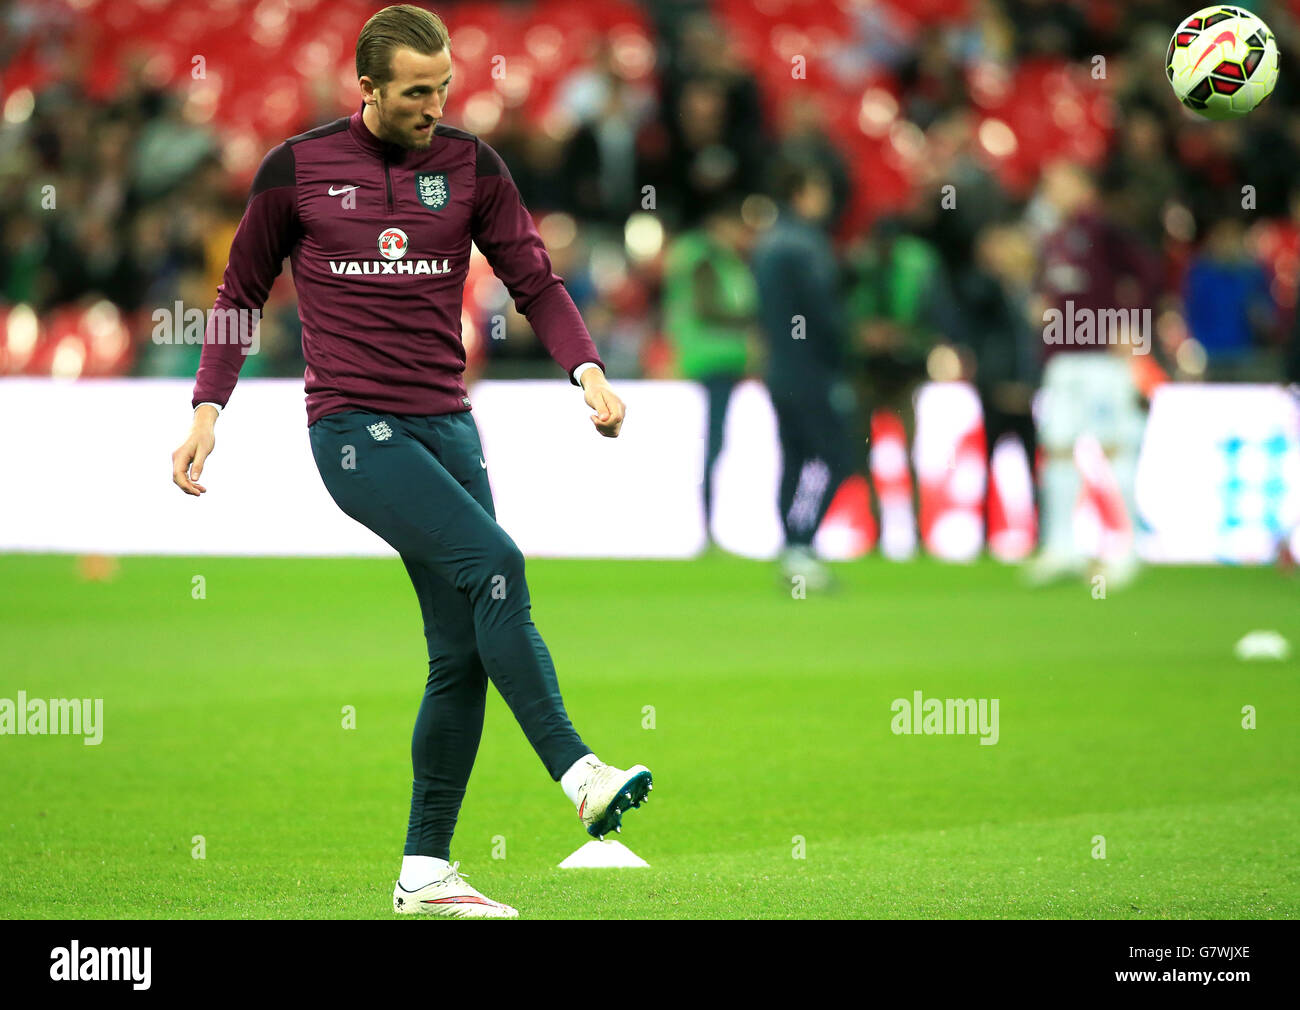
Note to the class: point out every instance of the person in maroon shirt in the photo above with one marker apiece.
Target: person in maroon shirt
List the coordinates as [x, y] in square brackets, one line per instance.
[377, 213]
[1096, 286]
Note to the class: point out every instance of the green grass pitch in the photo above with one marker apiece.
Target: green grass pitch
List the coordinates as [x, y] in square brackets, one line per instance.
[223, 717]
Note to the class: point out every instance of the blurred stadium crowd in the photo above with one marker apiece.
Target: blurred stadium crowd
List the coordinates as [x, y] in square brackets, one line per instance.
[130, 133]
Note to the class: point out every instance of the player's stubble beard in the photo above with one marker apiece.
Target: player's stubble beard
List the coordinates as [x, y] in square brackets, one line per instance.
[403, 135]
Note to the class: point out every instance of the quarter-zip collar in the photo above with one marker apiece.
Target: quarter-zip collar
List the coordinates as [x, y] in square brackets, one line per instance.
[394, 153]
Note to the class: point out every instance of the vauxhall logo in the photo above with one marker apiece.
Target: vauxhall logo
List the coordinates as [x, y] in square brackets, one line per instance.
[393, 244]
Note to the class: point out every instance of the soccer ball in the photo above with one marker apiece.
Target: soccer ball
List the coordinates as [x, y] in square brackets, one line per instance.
[1222, 62]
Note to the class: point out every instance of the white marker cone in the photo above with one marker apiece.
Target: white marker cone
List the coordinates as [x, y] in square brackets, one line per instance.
[1263, 645]
[602, 855]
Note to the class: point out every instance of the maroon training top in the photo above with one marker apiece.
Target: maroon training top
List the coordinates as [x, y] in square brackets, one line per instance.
[379, 238]
[1089, 260]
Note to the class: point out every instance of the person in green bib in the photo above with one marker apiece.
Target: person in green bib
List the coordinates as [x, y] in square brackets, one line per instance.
[710, 315]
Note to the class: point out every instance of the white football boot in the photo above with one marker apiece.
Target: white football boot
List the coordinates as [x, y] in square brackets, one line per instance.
[1119, 572]
[607, 793]
[1049, 567]
[450, 898]
[802, 563]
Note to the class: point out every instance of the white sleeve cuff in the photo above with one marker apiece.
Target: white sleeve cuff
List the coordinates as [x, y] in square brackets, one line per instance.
[577, 372]
[209, 403]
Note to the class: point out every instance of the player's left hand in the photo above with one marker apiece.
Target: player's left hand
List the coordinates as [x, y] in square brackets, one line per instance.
[609, 409]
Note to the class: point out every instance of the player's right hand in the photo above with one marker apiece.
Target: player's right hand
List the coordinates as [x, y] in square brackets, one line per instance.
[188, 460]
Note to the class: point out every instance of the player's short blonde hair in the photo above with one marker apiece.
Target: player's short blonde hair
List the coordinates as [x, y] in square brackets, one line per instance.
[402, 26]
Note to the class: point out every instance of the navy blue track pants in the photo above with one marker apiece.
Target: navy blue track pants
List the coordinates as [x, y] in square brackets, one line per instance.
[421, 484]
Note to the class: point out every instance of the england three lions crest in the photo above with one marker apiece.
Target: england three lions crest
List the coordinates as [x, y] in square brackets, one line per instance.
[431, 188]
